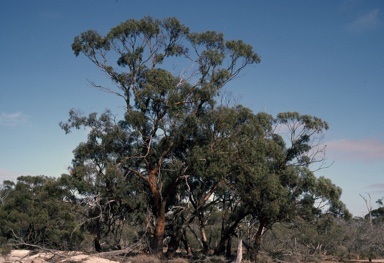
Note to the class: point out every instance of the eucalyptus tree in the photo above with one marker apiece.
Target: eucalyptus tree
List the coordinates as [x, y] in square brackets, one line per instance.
[101, 197]
[252, 148]
[138, 56]
[272, 174]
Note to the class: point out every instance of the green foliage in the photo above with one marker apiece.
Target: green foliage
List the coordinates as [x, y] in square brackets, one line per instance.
[180, 166]
[271, 175]
[160, 131]
[180, 162]
[377, 214]
[104, 194]
[35, 212]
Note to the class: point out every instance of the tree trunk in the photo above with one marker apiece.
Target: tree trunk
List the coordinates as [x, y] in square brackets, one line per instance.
[229, 230]
[220, 248]
[160, 204]
[204, 239]
[175, 241]
[239, 257]
[186, 244]
[228, 251]
[256, 246]
[226, 233]
[158, 239]
[179, 235]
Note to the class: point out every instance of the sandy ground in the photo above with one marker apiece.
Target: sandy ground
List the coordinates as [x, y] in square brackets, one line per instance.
[28, 257]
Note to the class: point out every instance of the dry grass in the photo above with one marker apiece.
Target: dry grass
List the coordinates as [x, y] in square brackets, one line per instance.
[143, 259]
[178, 260]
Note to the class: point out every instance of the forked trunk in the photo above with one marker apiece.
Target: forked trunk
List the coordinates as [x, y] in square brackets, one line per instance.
[174, 242]
[256, 246]
[180, 235]
[226, 233]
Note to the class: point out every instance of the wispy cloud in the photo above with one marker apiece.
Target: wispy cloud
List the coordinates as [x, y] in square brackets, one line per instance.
[366, 22]
[356, 150]
[377, 186]
[12, 119]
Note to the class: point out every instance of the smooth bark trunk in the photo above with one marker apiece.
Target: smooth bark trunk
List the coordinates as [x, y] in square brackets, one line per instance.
[204, 239]
[239, 256]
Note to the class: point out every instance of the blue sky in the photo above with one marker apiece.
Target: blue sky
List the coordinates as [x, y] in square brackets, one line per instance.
[324, 58]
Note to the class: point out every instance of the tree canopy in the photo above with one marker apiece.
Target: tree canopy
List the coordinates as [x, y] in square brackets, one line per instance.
[178, 152]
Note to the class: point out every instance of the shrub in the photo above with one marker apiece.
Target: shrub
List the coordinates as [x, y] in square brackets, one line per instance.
[6, 250]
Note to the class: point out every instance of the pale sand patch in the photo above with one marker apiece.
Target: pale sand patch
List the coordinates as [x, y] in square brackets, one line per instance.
[27, 256]
[88, 259]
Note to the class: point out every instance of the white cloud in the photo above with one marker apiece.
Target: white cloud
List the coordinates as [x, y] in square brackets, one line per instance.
[12, 119]
[366, 22]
